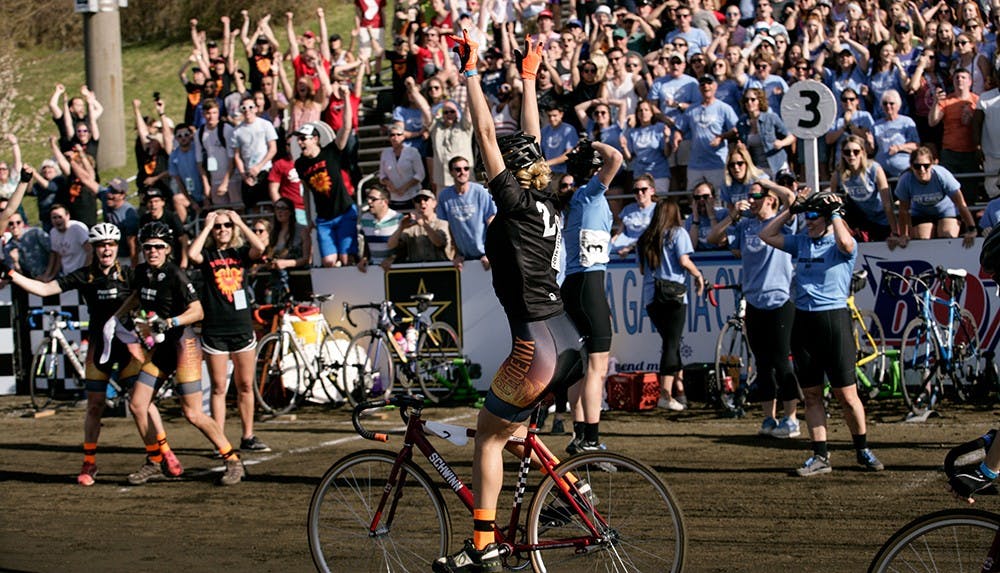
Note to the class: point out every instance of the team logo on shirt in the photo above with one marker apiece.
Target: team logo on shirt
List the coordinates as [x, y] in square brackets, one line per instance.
[320, 182]
[228, 280]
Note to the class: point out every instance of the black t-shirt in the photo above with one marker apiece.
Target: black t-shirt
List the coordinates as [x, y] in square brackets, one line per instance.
[174, 222]
[103, 293]
[223, 291]
[193, 99]
[523, 246]
[166, 290]
[260, 65]
[321, 175]
[151, 165]
[79, 200]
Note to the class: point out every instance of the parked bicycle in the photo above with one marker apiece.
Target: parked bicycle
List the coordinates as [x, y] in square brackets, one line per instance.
[870, 364]
[735, 369]
[594, 511]
[52, 355]
[949, 540]
[286, 372]
[427, 357]
[931, 352]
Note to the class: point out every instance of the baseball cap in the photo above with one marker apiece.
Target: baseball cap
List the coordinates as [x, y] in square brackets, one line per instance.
[706, 79]
[309, 34]
[154, 192]
[49, 163]
[118, 185]
[263, 40]
[676, 58]
[425, 193]
[846, 51]
[619, 33]
[902, 26]
[573, 23]
[826, 3]
[211, 44]
[603, 9]
[545, 13]
[307, 130]
[464, 15]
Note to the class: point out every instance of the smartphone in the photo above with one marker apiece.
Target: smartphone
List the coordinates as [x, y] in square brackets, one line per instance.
[156, 96]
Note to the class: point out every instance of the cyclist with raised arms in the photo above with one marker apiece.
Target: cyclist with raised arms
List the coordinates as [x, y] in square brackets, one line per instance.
[225, 250]
[104, 285]
[522, 244]
[821, 332]
[161, 287]
[588, 237]
[968, 480]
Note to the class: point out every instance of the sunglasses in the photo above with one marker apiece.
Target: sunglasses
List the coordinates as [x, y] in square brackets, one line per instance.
[154, 246]
[421, 199]
[259, 231]
[218, 226]
[449, 112]
[852, 152]
[757, 196]
[248, 107]
[847, 99]
[589, 70]
[434, 87]
[888, 103]
[640, 189]
[460, 169]
[395, 135]
[961, 43]
[106, 244]
[15, 223]
[922, 166]
[601, 112]
[565, 185]
[679, 44]
[812, 215]
[702, 197]
[738, 164]
[760, 66]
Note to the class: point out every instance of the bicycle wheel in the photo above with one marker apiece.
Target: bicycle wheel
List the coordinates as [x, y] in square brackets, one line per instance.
[869, 340]
[948, 540]
[43, 373]
[332, 348]
[368, 367]
[437, 350]
[966, 359]
[640, 527]
[277, 374]
[413, 529]
[918, 360]
[734, 368]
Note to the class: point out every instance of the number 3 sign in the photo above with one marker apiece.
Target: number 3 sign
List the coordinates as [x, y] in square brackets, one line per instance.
[809, 109]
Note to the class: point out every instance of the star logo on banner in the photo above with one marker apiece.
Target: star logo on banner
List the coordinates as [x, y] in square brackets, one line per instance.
[434, 308]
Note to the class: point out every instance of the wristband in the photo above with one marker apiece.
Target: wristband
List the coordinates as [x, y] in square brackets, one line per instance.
[835, 216]
[175, 322]
[470, 73]
[987, 471]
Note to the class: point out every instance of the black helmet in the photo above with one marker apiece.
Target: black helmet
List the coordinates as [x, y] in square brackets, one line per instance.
[583, 160]
[989, 256]
[155, 230]
[824, 202]
[519, 150]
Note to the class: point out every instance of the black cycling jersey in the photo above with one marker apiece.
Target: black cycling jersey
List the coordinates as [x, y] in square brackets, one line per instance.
[166, 290]
[103, 293]
[523, 246]
[321, 175]
[223, 291]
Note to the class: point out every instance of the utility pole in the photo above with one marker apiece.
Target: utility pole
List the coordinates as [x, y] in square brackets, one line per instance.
[103, 44]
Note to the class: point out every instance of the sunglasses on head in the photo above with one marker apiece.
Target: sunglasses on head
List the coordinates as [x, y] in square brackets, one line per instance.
[218, 226]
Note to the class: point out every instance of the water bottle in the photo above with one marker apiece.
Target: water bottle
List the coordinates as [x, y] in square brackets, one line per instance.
[84, 347]
[400, 340]
[376, 383]
[411, 339]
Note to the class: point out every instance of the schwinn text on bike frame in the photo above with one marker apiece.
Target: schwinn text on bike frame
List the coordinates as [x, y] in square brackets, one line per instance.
[446, 472]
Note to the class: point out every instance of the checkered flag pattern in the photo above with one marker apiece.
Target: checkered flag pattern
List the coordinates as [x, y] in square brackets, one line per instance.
[65, 379]
[8, 379]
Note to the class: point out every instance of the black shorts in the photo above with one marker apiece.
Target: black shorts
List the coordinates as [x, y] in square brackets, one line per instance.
[227, 343]
[822, 344]
[586, 303]
[544, 357]
[96, 375]
[257, 193]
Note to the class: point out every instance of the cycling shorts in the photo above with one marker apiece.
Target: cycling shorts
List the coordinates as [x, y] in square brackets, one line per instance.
[586, 303]
[545, 356]
[823, 344]
[96, 375]
[178, 355]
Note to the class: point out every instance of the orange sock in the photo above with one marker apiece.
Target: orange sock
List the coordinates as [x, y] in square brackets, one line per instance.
[228, 452]
[90, 452]
[153, 453]
[483, 521]
[161, 441]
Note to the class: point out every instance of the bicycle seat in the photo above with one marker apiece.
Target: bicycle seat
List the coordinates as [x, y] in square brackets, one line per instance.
[422, 297]
[957, 273]
[859, 279]
[321, 297]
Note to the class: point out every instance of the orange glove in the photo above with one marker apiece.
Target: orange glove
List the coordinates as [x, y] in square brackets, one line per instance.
[530, 61]
[467, 50]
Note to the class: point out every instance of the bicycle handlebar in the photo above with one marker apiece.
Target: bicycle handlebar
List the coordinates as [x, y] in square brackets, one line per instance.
[349, 308]
[404, 403]
[300, 310]
[714, 287]
[54, 314]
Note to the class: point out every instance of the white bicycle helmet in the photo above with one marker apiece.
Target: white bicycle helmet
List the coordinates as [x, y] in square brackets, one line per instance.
[105, 232]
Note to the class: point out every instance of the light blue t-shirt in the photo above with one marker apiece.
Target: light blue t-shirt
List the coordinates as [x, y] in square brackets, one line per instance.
[767, 272]
[701, 124]
[467, 214]
[556, 141]
[991, 215]
[587, 229]
[861, 119]
[732, 193]
[634, 220]
[413, 120]
[184, 164]
[896, 132]
[676, 243]
[931, 199]
[862, 191]
[683, 89]
[646, 146]
[705, 227]
[696, 38]
[881, 82]
[839, 81]
[768, 85]
[822, 272]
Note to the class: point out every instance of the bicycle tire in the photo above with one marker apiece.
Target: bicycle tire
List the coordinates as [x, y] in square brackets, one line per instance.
[43, 366]
[276, 359]
[948, 540]
[641, 526]
[345, 502]
[368, 367]
[966, 357]
[918, 363]
[873, 370]
[732, 342]
[437, 349]
[330, 363]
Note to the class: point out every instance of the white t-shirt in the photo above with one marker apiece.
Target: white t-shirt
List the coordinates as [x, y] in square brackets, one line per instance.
[989, 104]
[251, 139]
[70, 245]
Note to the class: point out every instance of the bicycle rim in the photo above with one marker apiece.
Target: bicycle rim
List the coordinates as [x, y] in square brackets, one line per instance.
[414, 527]
[277, 373]
[43, 372]
[368, 369]
[733, 359]
[918, 358]
[869, 339]
[332, 349]
[642, 529]
[437, 350]
[966, 358]
[949, 540]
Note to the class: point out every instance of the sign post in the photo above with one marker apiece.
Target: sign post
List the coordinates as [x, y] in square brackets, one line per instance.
[809, 110]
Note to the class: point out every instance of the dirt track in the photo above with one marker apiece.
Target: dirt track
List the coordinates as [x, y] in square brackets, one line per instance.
[742, 510]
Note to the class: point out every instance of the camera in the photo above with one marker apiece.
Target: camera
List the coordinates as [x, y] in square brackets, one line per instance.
[156, 96]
